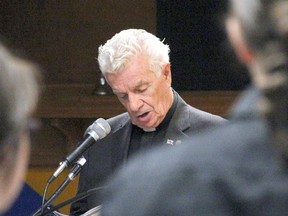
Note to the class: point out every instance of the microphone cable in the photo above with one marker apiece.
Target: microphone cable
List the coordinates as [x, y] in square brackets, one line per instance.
[44, 195]
[73, 173]
[78, 197]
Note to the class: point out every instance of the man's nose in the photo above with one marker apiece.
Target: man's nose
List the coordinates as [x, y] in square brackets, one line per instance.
[135, 102]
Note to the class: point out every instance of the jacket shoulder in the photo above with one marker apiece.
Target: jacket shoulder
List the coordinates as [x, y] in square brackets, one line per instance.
[118, 121]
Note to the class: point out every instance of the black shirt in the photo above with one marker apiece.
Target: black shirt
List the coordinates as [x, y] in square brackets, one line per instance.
[142, 140]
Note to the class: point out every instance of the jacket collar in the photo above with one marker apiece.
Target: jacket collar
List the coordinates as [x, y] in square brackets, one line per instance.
[179, 123]
[246, 104]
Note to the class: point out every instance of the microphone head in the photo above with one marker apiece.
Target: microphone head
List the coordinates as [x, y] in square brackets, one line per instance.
[100, 127]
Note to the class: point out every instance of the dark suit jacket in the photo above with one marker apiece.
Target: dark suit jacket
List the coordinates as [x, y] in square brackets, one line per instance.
[107, 154]
[234, 169]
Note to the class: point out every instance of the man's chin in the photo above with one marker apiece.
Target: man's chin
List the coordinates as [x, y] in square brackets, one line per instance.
[141, 125]
[146, 126]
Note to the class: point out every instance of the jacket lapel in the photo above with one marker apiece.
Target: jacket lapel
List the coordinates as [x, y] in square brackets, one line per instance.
[179, 123]
[122, 136]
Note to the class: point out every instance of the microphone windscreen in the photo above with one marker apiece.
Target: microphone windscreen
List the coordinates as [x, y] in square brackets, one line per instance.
[101, 128]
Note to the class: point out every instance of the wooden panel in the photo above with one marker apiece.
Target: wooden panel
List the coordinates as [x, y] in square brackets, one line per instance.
[55, 139]
[78, 101]
[65, 111]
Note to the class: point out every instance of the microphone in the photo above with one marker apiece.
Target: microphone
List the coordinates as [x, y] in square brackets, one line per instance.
[73, 173]
[98, 130]
[76, 169]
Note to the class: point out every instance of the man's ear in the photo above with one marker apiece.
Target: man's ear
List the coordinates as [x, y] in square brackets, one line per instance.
[167, 73]
[237, 40]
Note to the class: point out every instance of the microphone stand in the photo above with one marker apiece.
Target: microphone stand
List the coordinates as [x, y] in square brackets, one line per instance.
[74, 199]
[74, 172]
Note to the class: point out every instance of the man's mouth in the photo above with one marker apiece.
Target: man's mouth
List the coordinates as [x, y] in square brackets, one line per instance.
[143, 115]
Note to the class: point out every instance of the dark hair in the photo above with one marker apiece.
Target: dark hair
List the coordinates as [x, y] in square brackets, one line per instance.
[265, 26]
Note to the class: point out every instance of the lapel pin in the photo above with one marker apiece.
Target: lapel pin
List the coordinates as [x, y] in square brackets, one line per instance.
[170, 142]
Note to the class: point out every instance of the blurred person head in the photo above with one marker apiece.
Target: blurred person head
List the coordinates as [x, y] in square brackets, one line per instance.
[258, 31]
[136, 65]
[18, 96]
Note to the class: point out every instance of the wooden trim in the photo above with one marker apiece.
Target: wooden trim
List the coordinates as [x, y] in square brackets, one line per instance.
[78, 101]
[65, 111]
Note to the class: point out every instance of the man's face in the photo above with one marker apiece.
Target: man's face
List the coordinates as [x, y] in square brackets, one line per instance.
[146, 97]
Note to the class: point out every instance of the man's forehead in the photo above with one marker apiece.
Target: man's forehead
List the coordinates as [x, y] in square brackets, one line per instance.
[130, 86]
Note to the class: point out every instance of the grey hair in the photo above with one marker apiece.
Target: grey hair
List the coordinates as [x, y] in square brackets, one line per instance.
[19, 92]
[120, 50]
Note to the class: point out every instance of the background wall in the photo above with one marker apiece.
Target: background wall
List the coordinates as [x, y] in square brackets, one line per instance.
[201, 56]
[64, 36]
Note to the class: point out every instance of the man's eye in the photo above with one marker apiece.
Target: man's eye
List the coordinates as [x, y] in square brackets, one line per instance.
[142, 90]
[123, 97]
